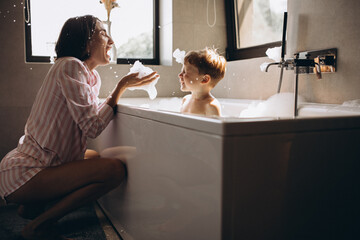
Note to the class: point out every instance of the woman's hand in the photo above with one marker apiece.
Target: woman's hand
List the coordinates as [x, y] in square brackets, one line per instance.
[132, 80]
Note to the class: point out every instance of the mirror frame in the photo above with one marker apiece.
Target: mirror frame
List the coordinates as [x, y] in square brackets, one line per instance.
[232, 51]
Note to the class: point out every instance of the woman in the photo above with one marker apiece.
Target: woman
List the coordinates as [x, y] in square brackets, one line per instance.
[48, 164]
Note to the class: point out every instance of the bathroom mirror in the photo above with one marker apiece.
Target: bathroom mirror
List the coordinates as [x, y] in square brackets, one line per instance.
[253, 26]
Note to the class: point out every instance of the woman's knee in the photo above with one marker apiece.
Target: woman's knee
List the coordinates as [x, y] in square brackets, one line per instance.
[115, 170]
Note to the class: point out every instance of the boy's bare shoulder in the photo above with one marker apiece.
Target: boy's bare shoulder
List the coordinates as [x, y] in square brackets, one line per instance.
[214, 107]
[212, 110]
[215, 102]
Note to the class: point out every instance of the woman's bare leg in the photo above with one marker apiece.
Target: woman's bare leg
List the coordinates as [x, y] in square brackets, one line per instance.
[31, 211]
[73, 184]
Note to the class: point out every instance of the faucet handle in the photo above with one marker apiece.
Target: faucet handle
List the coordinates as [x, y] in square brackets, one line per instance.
[317, 68]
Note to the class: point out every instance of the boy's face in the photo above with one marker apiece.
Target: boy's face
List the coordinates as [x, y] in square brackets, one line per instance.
[190, 79]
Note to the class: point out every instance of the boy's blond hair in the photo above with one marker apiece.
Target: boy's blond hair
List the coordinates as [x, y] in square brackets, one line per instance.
[208, 61]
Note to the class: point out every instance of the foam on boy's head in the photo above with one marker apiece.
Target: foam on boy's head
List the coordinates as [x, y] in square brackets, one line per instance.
[179, 56]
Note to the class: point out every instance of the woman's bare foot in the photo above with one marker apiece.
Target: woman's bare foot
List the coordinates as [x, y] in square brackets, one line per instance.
[30, 211]
[44, 233]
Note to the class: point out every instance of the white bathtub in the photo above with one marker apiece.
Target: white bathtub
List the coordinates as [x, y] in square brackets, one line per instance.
[233, 107]
[192, 177]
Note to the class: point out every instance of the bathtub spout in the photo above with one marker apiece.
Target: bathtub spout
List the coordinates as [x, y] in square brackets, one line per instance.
[281, 65]
[270, 64]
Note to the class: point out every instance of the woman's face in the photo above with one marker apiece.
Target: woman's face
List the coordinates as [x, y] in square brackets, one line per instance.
[99, 46]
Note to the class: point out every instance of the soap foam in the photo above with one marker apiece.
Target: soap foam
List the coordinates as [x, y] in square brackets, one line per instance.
[138, 67]
[352, 103]
[173, 104]
[272, 53]
[179, 56]
[278, 105]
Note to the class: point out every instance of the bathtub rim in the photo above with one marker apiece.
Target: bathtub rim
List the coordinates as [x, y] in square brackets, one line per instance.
[227, 126]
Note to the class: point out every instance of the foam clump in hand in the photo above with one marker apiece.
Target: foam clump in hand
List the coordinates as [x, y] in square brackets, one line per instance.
[179, 56]
[138, 67]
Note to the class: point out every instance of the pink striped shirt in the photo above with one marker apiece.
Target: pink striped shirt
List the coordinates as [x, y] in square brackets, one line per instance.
[66, 111]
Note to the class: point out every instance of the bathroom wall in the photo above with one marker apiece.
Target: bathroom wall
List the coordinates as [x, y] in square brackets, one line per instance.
[325, 24]
[312, 25]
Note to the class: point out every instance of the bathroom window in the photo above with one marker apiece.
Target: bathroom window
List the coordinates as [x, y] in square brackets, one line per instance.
[133, 27]
[253, 26]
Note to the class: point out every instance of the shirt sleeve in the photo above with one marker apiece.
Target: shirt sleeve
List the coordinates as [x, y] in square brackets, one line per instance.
[81, 100]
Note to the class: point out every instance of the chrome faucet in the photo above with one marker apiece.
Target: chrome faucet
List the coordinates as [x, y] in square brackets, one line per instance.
[307, 63]
[299, 66]
[304, 62]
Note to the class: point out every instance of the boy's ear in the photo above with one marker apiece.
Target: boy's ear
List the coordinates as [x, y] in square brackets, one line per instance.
[206, 78]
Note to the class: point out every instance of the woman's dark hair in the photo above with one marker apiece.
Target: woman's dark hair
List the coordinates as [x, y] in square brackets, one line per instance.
[75, 36]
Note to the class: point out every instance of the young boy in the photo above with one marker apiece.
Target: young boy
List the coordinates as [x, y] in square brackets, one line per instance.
[201, 71]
